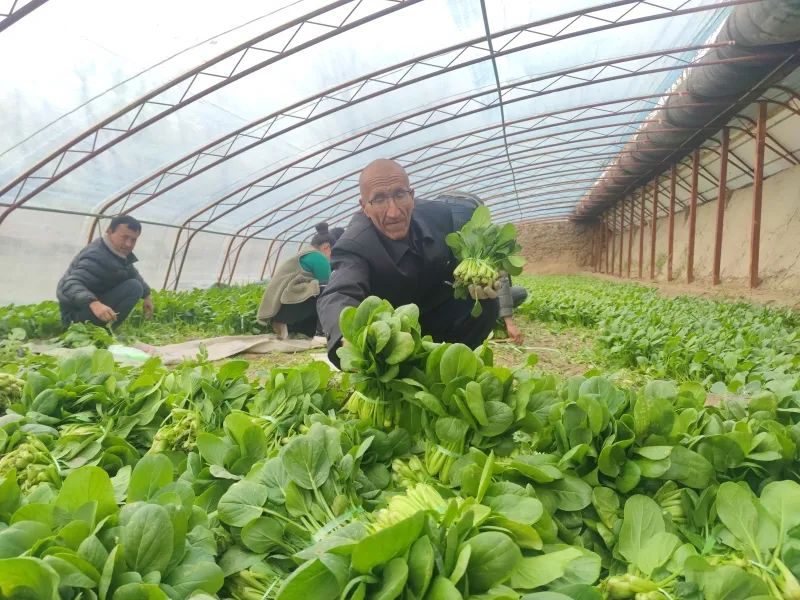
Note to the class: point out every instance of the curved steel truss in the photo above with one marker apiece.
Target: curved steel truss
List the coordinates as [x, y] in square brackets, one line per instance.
[536, 166]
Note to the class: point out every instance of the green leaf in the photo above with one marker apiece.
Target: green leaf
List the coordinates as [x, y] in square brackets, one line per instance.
[306, 462]
[571, 493]
[87, 484]
[732, 583]
[146, 536]
[606, 503]
[642, 520]
[443, 589]
[629, 478]
[9, 494]
[379, 332]
[462, 562]
[420, 565]
[781, 499]
[400, 347]
[458, 361]
[494, 557]
[198, 577]
[242, 503]
[535, 571]
[690, 468]
[27, 578]
[262, 534]
[516, 508]
[112, 569]
[737, 511]
[311, 580]
[93, 551]
[535, 469]
[73, 571]
[213, 449]
[139, 591]
[232, 369]
[21, 537]
[656, 552]
[395, 575]
[150, 474]
[382, 546]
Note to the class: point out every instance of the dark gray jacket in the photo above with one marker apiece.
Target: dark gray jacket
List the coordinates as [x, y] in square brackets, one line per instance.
[94, 271]
[364, 262]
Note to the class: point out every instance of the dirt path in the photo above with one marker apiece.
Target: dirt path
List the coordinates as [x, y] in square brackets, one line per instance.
[565, 351]
[725, 291]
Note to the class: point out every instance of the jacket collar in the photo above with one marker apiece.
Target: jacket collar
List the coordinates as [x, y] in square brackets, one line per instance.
[419, 233]
[130, 259]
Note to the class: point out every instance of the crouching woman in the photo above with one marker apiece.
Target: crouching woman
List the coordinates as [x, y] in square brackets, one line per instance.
[290, 298]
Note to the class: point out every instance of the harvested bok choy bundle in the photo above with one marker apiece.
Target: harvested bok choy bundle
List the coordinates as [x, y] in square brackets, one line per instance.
[484, 249]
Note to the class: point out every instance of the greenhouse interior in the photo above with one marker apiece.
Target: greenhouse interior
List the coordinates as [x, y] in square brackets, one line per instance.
[400, 299]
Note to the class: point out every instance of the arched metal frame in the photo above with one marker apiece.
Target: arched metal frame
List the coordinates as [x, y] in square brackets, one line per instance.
[400, 127]
[346, 95]
[17, 11]
[444, 155]
[592, 209]
[193, 85]
[395, 125]
[131, 119]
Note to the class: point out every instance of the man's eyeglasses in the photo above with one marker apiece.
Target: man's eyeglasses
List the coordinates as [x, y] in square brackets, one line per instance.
[401, 197]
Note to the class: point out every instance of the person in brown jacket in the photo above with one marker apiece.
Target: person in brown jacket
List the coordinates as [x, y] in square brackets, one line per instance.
[290, 298]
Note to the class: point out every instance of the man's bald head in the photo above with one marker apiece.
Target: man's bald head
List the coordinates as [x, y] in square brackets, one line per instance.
[380, 168]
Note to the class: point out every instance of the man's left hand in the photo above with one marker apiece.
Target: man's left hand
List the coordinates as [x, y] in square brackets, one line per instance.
[514, 334]
[148, 307]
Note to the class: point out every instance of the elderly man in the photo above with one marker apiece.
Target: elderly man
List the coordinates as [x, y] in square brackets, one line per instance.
[101, 284]
[395, 249]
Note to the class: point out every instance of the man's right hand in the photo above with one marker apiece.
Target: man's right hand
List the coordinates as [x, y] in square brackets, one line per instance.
[477, 292]
[102, 312]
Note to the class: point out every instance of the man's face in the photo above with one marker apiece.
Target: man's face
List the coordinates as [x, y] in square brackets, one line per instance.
[123, 239]
[387, 199]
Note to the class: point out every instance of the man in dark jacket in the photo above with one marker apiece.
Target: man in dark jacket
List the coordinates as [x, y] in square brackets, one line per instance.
[395, 249]
[101, 284]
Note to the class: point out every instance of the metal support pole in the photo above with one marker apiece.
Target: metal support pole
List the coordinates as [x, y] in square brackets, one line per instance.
[606, 242]
[602, 244]
[721, 197]
[654, 216]
[630, 233]
[621, 234]
[266, 258]
[613, 241]
[758, 183]
[692, 216]
[673, 175]
[641, 232]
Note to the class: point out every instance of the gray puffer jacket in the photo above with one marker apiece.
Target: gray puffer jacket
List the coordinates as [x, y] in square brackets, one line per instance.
[94, 271]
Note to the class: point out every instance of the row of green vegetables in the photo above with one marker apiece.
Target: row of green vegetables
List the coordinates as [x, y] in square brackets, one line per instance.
[683, 338]
[425, 472]
[210, 312]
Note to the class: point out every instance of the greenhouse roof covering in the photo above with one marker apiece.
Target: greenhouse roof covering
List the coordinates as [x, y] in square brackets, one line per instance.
[253, 119]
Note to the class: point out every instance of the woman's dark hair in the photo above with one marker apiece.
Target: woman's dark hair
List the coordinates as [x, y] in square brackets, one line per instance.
[336, 233]
[323, 236]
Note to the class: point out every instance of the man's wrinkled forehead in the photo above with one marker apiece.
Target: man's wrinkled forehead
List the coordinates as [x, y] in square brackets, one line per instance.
[381, 172]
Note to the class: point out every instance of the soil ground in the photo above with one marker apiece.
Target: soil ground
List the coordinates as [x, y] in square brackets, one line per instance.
[726, 291]
[563, 351]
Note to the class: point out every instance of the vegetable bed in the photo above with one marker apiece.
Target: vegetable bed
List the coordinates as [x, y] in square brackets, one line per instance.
[424, 471]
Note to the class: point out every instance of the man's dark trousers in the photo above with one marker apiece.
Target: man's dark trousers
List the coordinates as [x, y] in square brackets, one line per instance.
[451, 322]
[121, 299]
